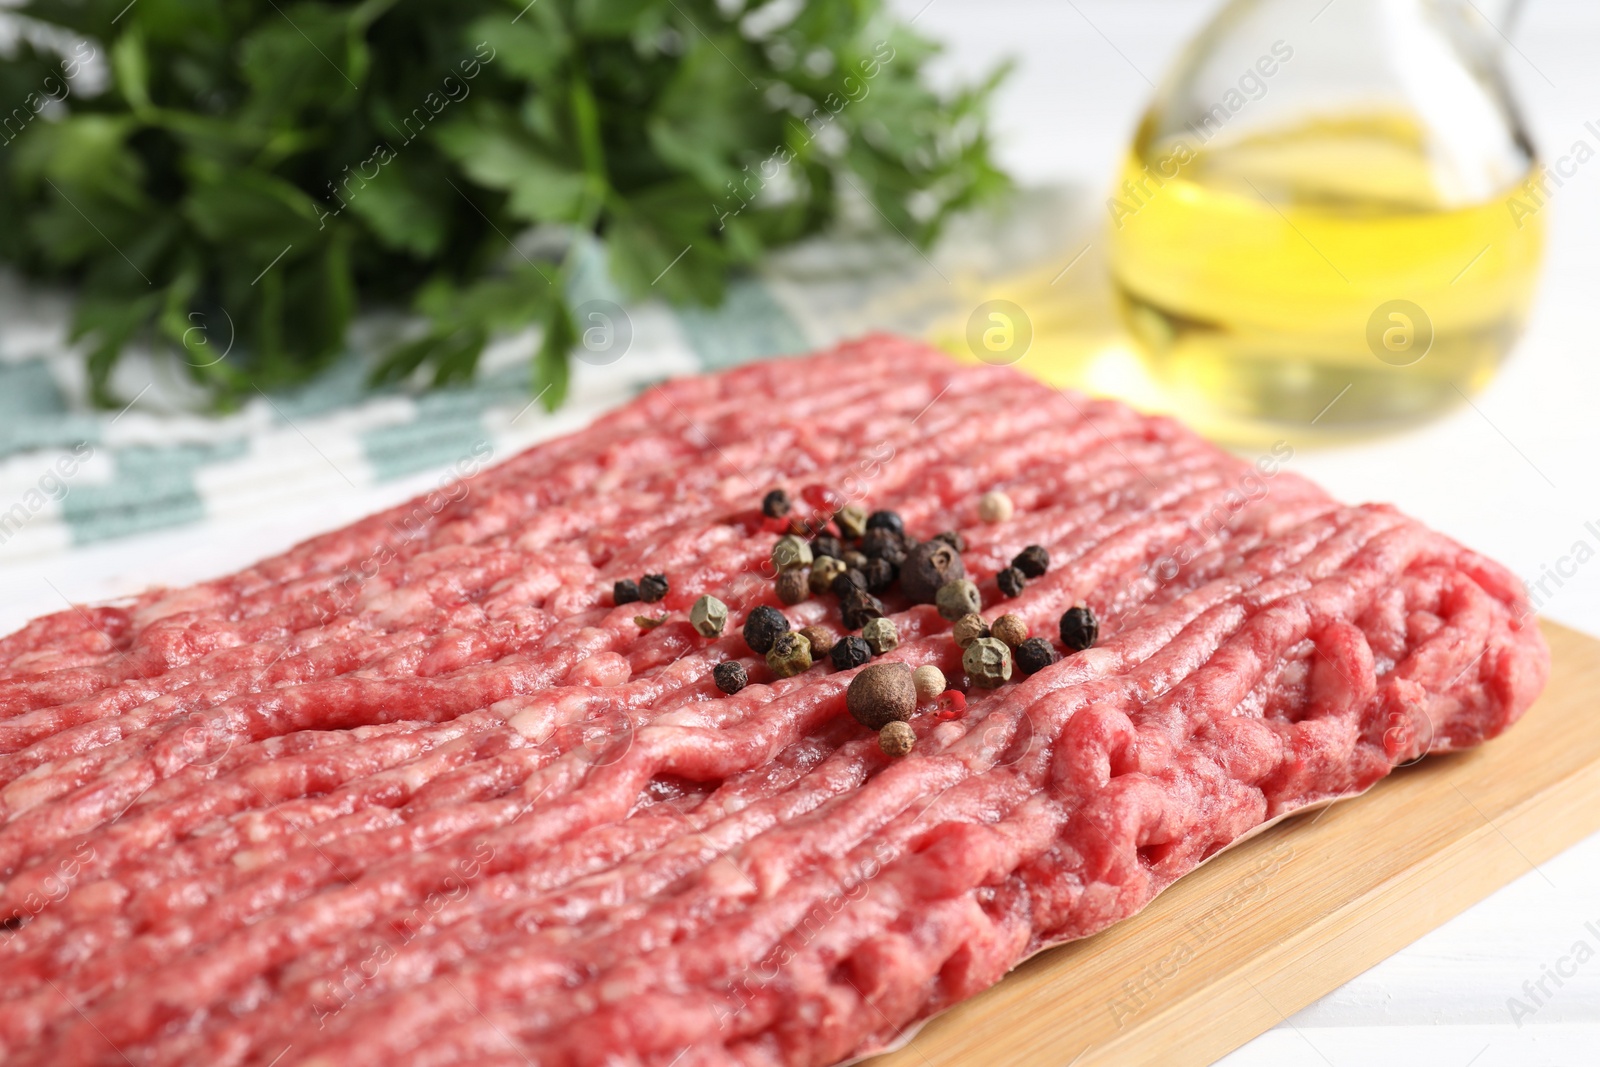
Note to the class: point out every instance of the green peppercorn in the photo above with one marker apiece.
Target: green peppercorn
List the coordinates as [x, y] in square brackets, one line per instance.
[1079, 628]
[988, 661]
[880, 636]
[897, 739]
[968, 629]
[625, 591]
[1032, 561]
[849, 651]
[789, 655]
[958, 598]
[791, 553]
[858, 607]
[775, 505]
[1035, 654]
[1010, 581]
[730, 676]
[762, 626]
[708, 616]
[851, 520]
[653, 587]
[929, 566]
[823, 571]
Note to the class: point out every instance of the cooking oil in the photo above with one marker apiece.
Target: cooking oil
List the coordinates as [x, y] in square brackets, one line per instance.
[1320, 273]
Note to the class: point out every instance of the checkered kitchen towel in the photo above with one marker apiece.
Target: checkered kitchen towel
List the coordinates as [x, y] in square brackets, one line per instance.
[71, 475]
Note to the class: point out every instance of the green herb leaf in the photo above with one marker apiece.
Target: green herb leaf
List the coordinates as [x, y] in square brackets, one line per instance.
[274, 167]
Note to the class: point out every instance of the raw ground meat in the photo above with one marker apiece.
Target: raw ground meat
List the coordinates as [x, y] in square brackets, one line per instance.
[416, 793]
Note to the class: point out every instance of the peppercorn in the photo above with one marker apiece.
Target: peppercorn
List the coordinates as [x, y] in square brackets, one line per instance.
[849, 651]
[820, 638]
[1035, 654]
[952, 538]
[897, 739]
[826, 545]
[994, 507]
[858, 607]
[1032, 561]
[929, 681]
[789, 655]
[847, 580]
[851, 520]
[793, 586]
[929, 566]
[761, 628]
[1010, 581]
[854, 559]
[625, 591]
[1010, 629]
[886, 520]
[988, 661]
[730, 676]
[775, 505]
[647, 622]
[790, 553]
[883, 543]
[880, 636]
[823, 571]
[881, 694]
[968, 629]
[653, 587]
[708, 616]
[957, 598]
[1079, 628]
[879, 575]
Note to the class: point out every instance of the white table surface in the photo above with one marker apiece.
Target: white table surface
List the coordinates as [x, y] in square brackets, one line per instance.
[1067, 114]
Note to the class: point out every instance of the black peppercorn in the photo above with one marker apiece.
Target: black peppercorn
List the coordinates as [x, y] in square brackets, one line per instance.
[851, 579]
[1032, 561]
[1079, 628]
[730, 676]
[929, 566]
[952, 538]
[625, 591]
[849, 651]
[1010, 581]
[858, 608]
[855, 559]
[762, 626]
[886, 520]
[880, 575]
[653, 587]
[775, 505]
[1034, 655]
[826, 545]
[880, 542]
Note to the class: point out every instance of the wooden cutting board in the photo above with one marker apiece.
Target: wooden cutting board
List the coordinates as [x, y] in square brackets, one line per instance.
[1276, 922]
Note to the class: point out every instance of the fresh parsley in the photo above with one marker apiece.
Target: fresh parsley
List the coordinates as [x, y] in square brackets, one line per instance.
[279, 164]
